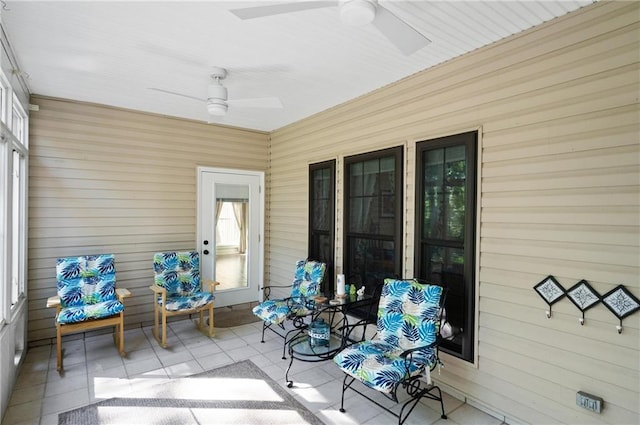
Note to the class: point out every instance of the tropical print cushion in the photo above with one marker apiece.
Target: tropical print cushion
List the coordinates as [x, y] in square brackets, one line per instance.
[84, 280]
[307, 280]
[306, 284]
[90, 311]
[177, 272]
[196, 300]
[407, 319]
[86, 286]
[277, 311]
[378, 364]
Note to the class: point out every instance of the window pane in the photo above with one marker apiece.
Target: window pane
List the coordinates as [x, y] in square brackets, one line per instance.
[456, 180]
[373, 227]
[320, 194]
[370, 261]
[371, 169]
[356, 179]
[433, 193]
[17, 283]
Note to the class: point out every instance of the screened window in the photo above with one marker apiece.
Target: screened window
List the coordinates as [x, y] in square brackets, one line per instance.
[13, 200]
[4, 98]
[322, 218]
[373, 218]
[18, 122]
[445, 234]
[17, 227]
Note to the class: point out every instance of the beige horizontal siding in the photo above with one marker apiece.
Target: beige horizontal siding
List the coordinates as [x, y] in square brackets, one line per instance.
[107, 180]
[558, 114]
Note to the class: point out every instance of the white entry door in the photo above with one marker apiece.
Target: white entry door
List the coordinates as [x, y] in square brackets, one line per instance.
[230, 232]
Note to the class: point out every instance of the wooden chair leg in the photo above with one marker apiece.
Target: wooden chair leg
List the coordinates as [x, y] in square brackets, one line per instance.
[58, 348]
[164, 329]
[120, 331]
[211, 321]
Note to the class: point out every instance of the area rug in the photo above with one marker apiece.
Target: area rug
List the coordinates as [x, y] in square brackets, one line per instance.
[240, 393]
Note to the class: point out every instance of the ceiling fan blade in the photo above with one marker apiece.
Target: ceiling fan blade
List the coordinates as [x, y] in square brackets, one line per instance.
[257, 102]
[177, 94]
[279, 9]
[401, 34]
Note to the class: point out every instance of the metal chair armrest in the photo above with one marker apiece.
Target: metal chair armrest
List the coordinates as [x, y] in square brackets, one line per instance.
[267, 289]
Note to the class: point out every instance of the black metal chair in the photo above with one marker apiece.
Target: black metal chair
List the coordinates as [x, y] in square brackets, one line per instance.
[404, 349]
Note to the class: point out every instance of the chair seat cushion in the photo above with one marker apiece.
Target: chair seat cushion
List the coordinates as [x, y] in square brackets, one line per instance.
[378, 364]
[89, 311]
[277, 311]
[193, 301]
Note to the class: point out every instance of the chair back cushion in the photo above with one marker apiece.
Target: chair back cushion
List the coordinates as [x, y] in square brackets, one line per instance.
[177, 272]
[408, 313]
[308, 277]
[85, 280]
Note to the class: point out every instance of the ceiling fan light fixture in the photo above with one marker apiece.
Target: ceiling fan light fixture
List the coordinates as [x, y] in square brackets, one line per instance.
[217, 107]
[357, 12]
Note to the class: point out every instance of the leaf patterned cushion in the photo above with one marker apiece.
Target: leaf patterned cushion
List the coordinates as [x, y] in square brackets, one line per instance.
[407, 319]
[277, 311]
[306, 284]
[195, 300]
[90, 311]
[86, 286]
[308, 277]
[177, 272]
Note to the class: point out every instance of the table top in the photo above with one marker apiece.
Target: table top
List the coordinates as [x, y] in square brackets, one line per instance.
[344, 303]
[301, 347]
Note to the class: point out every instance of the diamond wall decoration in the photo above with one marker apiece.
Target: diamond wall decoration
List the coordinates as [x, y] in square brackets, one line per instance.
[550, 291]
[583, 296]
[621, 302]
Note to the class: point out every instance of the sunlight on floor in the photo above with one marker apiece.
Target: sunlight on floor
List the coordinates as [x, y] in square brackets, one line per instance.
[208, 389]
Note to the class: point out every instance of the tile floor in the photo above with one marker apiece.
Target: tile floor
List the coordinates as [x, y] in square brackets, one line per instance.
[94, 371]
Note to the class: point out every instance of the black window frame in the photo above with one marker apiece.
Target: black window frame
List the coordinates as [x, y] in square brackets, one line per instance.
[464, 344]
[370, 278]
[313, 250]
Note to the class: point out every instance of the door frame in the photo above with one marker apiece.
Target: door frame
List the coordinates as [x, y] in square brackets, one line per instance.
[199, 219]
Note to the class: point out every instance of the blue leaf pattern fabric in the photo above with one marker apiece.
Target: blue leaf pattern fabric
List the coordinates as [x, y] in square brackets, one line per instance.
[306, 284]
[407, 318]
[86, 286]
[179, 274]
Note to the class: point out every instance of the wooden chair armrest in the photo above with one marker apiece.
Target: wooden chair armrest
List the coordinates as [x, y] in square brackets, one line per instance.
[158, 289]
[122, 293]
[53, 301]
[211, 283]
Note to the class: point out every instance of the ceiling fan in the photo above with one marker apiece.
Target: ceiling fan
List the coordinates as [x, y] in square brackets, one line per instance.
[217, 100]
[352, 12]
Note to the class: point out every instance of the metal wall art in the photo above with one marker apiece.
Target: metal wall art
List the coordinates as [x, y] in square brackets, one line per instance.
[619, 300]
[550, 291]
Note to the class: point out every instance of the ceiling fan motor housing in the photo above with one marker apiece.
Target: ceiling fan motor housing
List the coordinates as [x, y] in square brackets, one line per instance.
[357, 12]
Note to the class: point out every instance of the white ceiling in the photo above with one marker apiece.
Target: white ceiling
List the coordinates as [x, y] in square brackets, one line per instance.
[113, 52]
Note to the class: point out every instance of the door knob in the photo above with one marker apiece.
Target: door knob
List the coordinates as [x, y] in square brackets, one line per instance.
[206, 242]
[205, 252]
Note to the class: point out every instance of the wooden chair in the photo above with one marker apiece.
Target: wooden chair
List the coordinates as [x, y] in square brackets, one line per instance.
[177, 290]
[403, 351]
[87, 298]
